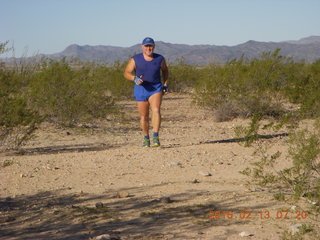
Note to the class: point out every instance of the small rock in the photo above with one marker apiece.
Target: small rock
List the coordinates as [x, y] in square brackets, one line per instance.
[295, 228]
[49, 167]
[313, 202]
[123, 194]
[175, 164]
[293, 208]
[245, 234]
[26, 175]
[103, 237]
[195, 181]
[56, 212]
[99, 205]
[205, 173]
[166, 200]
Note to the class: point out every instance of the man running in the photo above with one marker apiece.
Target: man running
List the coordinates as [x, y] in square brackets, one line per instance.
[145, 70]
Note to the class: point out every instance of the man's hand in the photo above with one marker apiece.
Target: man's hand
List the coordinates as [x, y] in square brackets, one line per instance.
[138, 80]
[165, 88]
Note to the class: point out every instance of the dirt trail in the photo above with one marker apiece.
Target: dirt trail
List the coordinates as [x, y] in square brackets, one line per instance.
[78, 186]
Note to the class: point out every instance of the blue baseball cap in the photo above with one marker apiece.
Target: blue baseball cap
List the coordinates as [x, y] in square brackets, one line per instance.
[148, 41]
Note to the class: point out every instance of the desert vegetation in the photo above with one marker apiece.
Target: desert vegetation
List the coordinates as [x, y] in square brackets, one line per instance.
[64, 93]
[282, 93]
[273, 91]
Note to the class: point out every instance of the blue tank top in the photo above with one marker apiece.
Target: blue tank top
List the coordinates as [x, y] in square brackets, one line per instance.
[150, 70]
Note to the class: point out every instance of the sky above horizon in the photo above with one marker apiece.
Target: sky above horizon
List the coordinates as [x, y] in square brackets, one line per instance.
[49, 26]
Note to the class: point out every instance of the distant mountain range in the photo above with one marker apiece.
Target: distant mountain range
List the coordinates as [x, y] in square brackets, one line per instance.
[307, 49]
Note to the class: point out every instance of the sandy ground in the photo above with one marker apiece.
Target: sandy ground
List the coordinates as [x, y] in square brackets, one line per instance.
[72, 184]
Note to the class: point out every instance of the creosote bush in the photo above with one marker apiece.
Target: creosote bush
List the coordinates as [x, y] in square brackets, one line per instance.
[298, 181]
[63, 92]
[17, 119]
[182, 76]
[70, 96]
[243, 88]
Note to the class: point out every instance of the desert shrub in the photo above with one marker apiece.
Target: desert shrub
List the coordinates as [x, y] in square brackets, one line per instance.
[69, 96]
[17, 120]
[304, 89]
[306, 231]
[243, 89]
[182, 76]
[249, 134]
[301, 180]
[112, 76]
[64, 92]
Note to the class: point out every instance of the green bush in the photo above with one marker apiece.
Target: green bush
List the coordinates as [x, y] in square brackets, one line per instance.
[299, 183]
[304, 89]
[182, 76]
[112, 78]
[69, 96]
[66, 93]
[242, 89]
[17, 119]
[262, 86]
[299, 180]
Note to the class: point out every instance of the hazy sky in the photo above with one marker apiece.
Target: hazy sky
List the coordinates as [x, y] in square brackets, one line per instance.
[49, 26]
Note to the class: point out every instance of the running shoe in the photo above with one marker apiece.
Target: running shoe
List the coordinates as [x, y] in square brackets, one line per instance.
[146, 142]
[156, 142]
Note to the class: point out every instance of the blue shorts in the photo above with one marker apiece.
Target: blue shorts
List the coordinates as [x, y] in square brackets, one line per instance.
[143, 92]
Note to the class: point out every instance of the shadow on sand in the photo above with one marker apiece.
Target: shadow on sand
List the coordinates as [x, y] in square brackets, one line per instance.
[60, 149]
[258, 136]
[230, 140]
[101, 146]
[62, 215]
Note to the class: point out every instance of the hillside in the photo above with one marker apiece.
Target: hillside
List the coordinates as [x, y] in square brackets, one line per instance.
[304, 49]
[307, 49]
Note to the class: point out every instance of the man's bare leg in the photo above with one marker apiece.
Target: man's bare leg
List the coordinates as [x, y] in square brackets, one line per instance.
[143, 108]
[155, 103]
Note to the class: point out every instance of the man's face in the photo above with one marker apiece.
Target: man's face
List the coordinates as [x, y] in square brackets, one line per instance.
[148, 50]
